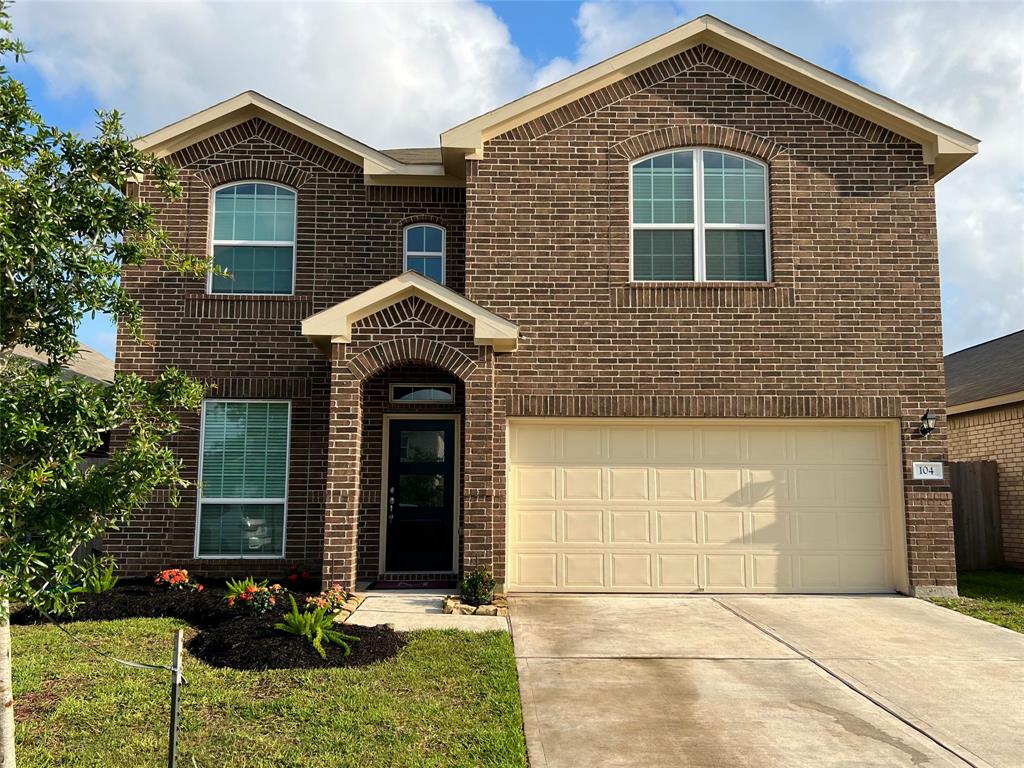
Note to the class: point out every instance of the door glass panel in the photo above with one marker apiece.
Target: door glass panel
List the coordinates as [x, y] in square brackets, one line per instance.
[421, 445]
[421, 491]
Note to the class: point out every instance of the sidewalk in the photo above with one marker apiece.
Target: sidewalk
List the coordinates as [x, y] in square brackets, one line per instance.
[419, 609]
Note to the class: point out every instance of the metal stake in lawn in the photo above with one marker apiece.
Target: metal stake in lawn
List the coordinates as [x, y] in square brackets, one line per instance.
[176, 680]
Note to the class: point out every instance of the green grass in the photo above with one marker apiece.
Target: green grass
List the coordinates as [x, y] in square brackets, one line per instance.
[448, 699]
[993, 596]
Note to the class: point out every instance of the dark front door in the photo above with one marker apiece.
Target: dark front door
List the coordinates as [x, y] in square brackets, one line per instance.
[420, 501]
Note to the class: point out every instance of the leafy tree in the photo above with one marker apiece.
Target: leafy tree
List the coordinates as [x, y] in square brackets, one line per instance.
[67, 230]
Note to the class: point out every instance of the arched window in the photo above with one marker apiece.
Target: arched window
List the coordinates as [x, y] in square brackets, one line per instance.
[699, 215]
[254, 238]
[424, 250]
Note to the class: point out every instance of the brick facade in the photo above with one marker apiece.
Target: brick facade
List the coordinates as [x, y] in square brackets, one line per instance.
[997, 434]
[848, 327]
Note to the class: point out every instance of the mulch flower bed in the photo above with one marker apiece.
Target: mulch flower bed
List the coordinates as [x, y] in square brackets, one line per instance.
[228, 637]
[251, 642]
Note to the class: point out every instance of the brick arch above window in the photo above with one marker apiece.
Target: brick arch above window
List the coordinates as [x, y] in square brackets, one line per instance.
[423, 218]
[248, 170]
[396, 352]
[700, 135]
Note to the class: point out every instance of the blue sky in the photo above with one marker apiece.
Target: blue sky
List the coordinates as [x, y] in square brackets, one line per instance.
[436, 64]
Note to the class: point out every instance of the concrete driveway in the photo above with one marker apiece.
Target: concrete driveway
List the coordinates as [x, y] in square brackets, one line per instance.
[766, 681]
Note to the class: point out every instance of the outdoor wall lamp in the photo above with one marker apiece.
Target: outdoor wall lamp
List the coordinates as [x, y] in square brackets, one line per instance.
[927, 423]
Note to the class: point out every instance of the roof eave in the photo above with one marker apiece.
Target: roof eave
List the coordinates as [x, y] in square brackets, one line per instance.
[944, 146]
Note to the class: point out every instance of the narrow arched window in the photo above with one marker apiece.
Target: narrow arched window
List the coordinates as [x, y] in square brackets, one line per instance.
[424, 250]
[699, 215]
[254, 239]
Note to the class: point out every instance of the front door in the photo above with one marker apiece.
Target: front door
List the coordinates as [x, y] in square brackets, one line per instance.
[420, 495]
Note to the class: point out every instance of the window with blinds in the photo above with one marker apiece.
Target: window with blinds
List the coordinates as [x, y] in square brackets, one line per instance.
[243, 478]
[699, 215]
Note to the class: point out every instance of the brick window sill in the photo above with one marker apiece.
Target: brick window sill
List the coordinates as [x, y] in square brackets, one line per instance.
[731, 294]
[243, 306]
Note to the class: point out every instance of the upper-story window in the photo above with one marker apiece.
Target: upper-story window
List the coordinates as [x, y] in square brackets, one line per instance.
[424, 250]
[254, 238]
[699, 215]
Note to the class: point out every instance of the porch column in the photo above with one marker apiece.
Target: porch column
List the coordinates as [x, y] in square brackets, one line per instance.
[341, 505]
[478, 483]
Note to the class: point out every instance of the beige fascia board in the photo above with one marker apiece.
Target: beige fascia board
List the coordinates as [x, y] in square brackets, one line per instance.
[247, 105]
[988, 402]
[335, 323]
[944, 146]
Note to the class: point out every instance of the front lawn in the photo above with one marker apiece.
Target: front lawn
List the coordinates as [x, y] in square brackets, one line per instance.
[993, 596]
[447, 699]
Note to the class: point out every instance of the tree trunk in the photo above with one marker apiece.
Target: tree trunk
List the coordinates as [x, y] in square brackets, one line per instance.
[6, 690]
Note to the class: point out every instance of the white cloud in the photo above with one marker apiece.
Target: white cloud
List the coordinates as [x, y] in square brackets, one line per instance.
[388, 74]
[394, 74]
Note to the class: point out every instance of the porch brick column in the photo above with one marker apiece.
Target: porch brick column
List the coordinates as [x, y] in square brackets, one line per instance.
[478, 481]
[341, 506]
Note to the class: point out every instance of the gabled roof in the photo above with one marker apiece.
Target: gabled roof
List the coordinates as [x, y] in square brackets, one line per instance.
[334, 325]
[986, 375]
[250, 104]
[945, 147]
[87, 363]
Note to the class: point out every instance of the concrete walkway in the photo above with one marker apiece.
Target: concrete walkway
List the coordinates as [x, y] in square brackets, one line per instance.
[407, 610]
[765, 681]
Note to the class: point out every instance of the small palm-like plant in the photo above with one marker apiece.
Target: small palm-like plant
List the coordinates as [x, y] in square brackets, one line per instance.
[97, 575]
[317, 626]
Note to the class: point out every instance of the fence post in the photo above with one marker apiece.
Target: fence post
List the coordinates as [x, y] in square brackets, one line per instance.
[172, 744]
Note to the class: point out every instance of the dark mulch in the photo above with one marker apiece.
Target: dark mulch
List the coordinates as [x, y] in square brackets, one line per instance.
[227, 637]
[252, 642]
[142, 599]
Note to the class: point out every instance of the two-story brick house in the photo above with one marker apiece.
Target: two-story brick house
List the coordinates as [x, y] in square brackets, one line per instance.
[669, 324]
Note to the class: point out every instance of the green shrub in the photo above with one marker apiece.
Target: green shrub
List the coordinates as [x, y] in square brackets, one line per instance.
[316, 626]
[477, 587]
[97, 575]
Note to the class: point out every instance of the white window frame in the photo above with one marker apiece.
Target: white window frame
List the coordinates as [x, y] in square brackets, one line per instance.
[699, 226]
[406, 253]
[199, 485]
[275, 243]
[449, 387]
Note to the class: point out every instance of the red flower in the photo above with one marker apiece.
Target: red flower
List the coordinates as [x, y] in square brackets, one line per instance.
[199, 588]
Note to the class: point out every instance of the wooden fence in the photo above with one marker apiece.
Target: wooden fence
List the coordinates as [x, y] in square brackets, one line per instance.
[977, 527]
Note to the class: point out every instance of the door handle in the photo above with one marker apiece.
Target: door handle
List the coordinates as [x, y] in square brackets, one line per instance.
[391, 504]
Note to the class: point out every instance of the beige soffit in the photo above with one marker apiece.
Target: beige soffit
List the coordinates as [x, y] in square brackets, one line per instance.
[943, 146]
[250, 104]
[334, 325]
[988, 402]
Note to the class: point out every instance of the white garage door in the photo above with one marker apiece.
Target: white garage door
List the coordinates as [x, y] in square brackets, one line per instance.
[619, 505]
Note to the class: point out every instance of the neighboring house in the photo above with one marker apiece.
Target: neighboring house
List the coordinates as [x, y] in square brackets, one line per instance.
[985, 407]
[669, 324]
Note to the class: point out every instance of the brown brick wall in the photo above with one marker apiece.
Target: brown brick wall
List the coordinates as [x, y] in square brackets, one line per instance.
[348, 239]
[849, 327]
[997, 434]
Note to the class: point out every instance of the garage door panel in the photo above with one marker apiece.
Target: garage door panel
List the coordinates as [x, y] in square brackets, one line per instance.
[676, 527]
[537, 526]
[584, 570]
[724, 527]
[582, 483]
[629, 527]
[535, 483]
[583, 526]
[722, 485]
[631, 571]
[672, 484]
[678, 572]
[667, 506]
